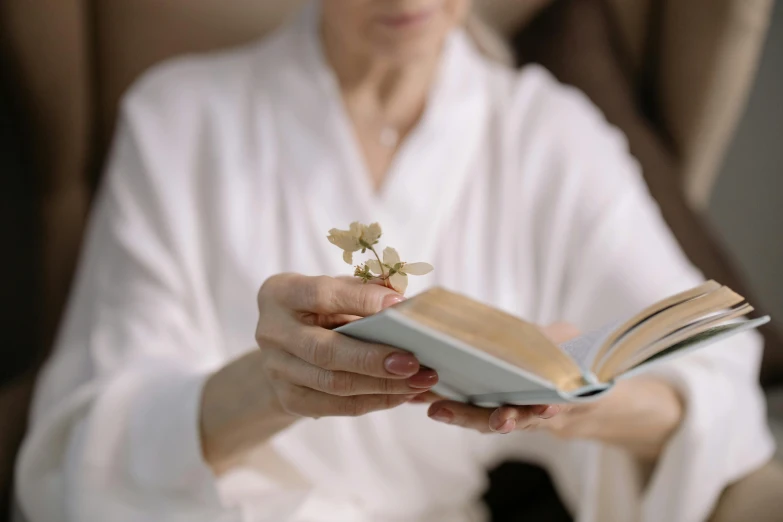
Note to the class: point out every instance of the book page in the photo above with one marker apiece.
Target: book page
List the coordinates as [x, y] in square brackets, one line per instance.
[635, 320]
[683, 334]
[494, 332]
[463, 371]
[696, 342]
[584, 349]
[663, 324]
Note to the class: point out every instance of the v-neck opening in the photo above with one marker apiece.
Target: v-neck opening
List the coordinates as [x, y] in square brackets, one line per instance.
[360, 170]
[429, 172]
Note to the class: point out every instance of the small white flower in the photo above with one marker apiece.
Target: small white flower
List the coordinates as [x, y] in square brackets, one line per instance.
[399, 271]
[357, 237]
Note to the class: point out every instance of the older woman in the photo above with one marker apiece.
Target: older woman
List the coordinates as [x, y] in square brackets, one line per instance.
[227, 172]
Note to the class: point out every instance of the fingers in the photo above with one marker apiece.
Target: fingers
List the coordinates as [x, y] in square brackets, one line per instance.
[352, 280]
[333, 351]
[485, 420]
[328, 295]
[305, 402]
[329, 322]
[459, 414]
[317, 372]
[426, 398]
[285, 367]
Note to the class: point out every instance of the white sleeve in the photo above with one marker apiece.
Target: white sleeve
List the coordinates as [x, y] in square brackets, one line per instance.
[618, 256]
[115, 424]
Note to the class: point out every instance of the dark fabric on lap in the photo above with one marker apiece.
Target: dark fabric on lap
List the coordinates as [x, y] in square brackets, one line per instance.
[523, 492]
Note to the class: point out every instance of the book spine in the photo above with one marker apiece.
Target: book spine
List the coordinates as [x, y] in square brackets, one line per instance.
[590, 378]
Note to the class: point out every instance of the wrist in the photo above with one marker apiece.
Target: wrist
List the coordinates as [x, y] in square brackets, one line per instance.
[669, 408]
[238, 411]
[640, 415]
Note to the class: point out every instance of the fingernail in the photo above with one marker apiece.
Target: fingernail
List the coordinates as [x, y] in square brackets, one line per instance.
[538, 409]
[496, 420]
[549, 412]
[391, 300]
[507, 427]
[424, 379]
[401, 364]
[444, 415]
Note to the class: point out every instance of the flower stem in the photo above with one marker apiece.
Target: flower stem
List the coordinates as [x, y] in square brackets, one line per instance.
[383, 272]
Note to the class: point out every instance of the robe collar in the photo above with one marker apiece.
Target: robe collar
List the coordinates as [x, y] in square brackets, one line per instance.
[431, 170]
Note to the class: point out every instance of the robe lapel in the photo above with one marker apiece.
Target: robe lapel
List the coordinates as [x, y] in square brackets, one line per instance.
[426, 177]
[434, 165]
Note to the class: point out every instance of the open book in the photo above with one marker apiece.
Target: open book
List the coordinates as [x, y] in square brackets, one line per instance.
[488, 357]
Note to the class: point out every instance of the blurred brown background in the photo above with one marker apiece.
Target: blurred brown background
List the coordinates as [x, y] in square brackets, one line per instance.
[746, 204]
[695, 84]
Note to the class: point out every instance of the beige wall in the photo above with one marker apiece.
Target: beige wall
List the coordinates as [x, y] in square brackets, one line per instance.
[747, 202]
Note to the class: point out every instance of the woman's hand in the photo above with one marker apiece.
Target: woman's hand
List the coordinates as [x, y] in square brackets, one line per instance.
[640, 414]
[316, 372]
[303, 369]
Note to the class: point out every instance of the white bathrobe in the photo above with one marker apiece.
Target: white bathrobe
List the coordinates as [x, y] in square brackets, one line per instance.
[231, 167]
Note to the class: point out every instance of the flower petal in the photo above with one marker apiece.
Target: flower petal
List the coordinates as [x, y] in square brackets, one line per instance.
[417, 268]
[372, 234]
[348, 256]
[390, 256]
[374, 266]
[356, 229]
[399, 282]
[343, 239]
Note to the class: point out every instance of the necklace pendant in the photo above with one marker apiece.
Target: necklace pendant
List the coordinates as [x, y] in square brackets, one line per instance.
[389, 137]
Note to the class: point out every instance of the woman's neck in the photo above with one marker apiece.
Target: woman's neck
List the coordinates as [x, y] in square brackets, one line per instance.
[380, 95]
[398, 91]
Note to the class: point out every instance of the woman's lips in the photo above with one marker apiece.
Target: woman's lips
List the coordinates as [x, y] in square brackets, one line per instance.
[408, 20]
